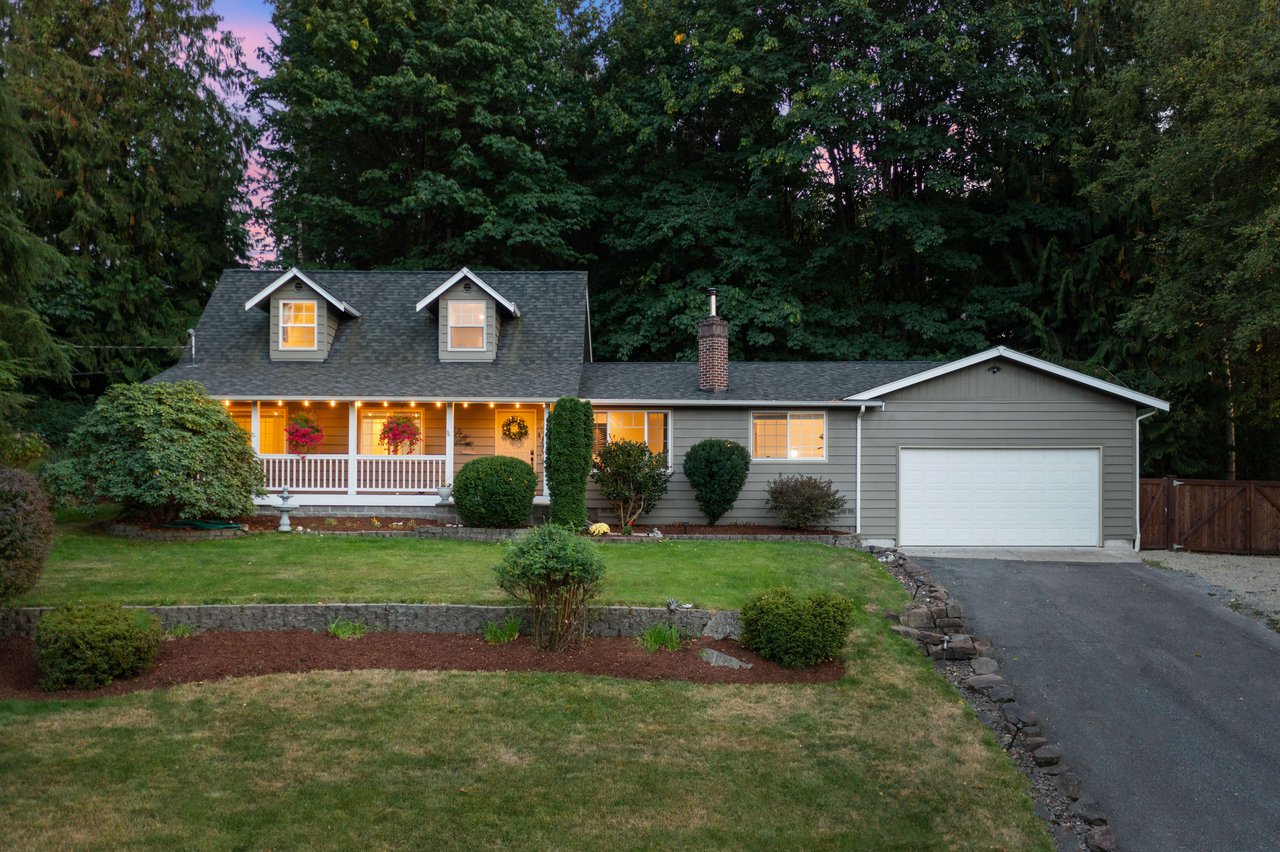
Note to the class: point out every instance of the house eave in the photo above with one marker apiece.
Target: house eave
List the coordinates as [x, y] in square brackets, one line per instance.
[478, 281]
[295, 272]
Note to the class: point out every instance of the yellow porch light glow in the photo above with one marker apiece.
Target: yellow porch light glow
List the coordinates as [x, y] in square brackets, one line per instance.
[491, 405]
[306, 403]
[438, 403]
[384, 403]
[333, 403]
[466, 405]
[227, 403]
[413, 404]
[279, 402]
[358, 404]
[517, 405]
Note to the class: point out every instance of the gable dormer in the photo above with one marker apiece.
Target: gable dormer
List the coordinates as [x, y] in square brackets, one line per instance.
[469, 314]
[304, 317]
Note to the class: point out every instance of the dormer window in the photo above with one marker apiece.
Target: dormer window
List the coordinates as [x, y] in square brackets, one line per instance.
[298, 325]
[467, 326]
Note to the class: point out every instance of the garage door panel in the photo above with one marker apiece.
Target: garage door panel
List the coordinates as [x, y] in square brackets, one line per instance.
[998, 497]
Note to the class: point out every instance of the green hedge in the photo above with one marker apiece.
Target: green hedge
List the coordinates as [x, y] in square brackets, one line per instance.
[84, 647]
[796, 632]
[495, 491]
[570, 438]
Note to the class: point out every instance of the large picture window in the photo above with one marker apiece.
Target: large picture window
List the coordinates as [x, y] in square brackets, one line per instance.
[297, 325]
[781, 435]
[371, 423]
[466, 326]
[643, 427]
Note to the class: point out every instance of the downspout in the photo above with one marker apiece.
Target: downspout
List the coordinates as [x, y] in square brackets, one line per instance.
[857, 477]
[1137, 479]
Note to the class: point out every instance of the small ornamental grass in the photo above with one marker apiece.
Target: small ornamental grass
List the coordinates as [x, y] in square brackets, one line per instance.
[804, 501]
[88, 646]
[796, 632]
[660, 637]
[500, 633]
[556, 574]
[346, 628]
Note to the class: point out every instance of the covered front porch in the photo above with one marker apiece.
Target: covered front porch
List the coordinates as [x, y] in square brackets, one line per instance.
[350, 466]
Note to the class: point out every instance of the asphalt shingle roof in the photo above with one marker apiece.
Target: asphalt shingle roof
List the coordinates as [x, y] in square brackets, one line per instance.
[764, 381]
[390, 350]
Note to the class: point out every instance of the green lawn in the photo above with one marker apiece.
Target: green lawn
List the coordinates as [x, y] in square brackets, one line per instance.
[88, 565]
[888, 758]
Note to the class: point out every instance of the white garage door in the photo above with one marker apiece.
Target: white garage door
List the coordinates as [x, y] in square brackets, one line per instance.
[1019, 498]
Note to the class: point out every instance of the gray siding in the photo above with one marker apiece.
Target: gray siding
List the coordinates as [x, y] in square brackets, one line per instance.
[1015, 407]
[688, 426]
[493, 324]
[326, 325]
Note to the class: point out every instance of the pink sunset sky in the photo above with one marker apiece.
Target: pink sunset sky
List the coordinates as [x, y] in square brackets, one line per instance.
[250, 21]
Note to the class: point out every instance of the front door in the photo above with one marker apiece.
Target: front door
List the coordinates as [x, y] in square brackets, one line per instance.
[516, 434]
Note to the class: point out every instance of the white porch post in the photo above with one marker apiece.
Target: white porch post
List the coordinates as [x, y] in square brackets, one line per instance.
[255, 429]
[857, 477]
[353, 445]
[448, 444]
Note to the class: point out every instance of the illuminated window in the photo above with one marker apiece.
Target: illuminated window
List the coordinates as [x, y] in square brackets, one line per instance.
[297, 325]
[271, 423]
[371, 422]
[643, 427]
[466, 326]
[788, 435]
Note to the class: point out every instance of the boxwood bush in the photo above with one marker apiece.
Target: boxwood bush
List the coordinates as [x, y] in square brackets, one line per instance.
[88, 646]
[717, 470]
[26, 532]
[796, 632]
[556, 573]
[495, 491]
[570, 436]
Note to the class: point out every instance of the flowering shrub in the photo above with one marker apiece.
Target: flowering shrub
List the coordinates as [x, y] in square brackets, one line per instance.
[399, 430]
[599, 529]
[303, 434]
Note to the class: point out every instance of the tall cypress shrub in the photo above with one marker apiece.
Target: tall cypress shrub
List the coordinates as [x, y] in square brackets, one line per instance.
[570, 434]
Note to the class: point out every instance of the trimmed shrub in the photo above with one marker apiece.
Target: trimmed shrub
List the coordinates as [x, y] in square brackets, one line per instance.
[556, 574]
[85, 647]
[26, 533]
[164, 451]
[717, 470]
[495, 491]
[632, 477]
[796, 632]
[804, 501]
[570, 435]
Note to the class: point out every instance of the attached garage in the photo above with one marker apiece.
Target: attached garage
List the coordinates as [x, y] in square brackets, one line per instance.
[1015, 497]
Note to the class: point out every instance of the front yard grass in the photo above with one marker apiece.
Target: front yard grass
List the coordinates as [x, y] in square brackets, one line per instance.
[887, 758]
[90, 566]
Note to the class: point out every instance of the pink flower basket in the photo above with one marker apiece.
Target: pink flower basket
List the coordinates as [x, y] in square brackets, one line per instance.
[303, 434]
[399, 431]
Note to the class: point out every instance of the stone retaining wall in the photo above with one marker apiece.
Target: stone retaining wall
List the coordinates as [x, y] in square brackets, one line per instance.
[408, 618]
[131, 531]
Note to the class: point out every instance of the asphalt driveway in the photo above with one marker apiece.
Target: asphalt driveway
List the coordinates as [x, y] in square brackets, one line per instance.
[1166, 702]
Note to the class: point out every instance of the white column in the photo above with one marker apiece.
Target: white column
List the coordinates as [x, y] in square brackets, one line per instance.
[353, 445]
[255, 428]
[448, 443]
[857, 477]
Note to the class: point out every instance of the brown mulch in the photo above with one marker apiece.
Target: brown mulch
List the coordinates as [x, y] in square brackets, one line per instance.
[215, 655]
[266, 523]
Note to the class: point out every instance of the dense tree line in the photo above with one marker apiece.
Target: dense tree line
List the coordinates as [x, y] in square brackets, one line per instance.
[1095, 183]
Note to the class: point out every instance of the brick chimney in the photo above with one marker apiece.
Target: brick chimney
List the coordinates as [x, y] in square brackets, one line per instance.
[713, 350]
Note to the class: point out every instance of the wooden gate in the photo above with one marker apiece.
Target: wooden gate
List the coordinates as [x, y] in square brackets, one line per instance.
[1210, 515]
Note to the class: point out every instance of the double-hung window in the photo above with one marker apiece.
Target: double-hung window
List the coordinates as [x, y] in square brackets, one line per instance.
[780, 435]
[297, 325]
[644, 427]
[467, 326]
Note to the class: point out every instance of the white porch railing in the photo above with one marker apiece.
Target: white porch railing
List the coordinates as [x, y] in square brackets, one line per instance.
[333, 474]
[399, 473]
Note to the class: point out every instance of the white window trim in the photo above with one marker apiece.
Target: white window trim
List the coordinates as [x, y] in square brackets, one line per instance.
[483, 326]
[646, 411]
[751, 428]
[315, 326]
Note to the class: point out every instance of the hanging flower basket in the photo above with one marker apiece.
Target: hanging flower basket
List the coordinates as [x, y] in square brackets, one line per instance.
[303, 434]
[399, 431]
[514, 428]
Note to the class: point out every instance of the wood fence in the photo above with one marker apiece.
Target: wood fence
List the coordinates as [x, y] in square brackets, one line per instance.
[1210, 515]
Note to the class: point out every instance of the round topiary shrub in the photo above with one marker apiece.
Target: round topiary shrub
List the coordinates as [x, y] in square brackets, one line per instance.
[26, 532]
[717, 470]
[796, 632]
[85, 647]
[495, 491]
[556, 574]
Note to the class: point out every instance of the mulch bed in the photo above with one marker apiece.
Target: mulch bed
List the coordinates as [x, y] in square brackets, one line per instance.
[216, 655]
[266, 523]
